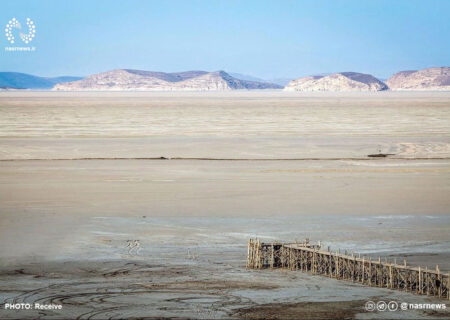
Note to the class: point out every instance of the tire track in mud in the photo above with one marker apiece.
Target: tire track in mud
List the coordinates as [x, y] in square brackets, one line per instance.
[103, 312]
[102, 301]
[205, 298]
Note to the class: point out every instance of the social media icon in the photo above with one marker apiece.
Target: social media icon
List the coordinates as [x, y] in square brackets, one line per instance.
[404, 306]
[393, 306]
[381, 306]
[370, 306]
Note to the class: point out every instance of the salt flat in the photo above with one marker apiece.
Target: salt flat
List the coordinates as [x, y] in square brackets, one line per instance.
[233, 125]
[79, 177]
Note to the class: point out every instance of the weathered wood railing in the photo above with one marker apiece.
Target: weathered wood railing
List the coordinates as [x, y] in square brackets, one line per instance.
[311, 258]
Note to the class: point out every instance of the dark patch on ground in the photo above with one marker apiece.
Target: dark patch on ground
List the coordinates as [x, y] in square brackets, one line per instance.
[380, 155]
[303, 310]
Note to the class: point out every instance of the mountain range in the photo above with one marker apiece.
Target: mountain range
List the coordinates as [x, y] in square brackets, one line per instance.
[426, 79]
[129, 79]
[17, 80]
[280, 81]
[337, 82]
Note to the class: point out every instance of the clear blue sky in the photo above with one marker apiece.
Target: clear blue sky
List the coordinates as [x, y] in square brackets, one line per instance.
[267, 39]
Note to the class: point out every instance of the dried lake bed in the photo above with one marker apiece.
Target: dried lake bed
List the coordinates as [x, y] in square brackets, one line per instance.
[80, 175]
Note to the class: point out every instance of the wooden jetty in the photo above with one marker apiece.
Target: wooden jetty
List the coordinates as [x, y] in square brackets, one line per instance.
[307, 257]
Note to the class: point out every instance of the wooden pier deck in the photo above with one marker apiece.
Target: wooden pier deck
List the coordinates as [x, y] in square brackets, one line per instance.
[343, 266]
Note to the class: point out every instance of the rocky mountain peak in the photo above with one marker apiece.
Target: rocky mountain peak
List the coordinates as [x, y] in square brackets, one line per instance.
[130, 79]
[336, 82]
[426, 79]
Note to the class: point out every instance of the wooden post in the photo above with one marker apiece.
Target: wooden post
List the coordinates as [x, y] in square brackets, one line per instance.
[258, 254]
[301, 259]
[338, 271]
[391, 283]
[272, 258]
[380, 271]
[419, 288]
[440, 282]
[363, 276]
[330, 261]
[313, 261]
[448, 285]
[248, 252]
[353, 267]
[255, 253]
[292, 259]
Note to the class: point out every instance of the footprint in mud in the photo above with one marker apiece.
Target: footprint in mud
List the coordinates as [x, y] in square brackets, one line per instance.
[134, 246]
[191, 255]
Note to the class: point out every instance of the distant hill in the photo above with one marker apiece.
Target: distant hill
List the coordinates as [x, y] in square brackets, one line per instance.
[337, 82]
[247, 77]
[280, 81]
[126, 79]
[426, 79]
[17, 80]
[197, 80]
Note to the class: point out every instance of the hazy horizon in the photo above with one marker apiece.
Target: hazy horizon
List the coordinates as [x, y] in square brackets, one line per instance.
[239, 75]
[268, 39]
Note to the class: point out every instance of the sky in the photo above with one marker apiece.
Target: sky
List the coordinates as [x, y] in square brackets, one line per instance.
[266, 39]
